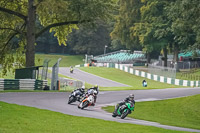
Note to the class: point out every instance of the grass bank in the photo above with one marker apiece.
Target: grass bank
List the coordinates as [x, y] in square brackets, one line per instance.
[67, 60]
[125, 78]
[191, 74]
[22, 119]
[182, 112]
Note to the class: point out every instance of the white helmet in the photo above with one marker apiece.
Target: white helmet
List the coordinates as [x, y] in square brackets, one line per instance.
[131, 97]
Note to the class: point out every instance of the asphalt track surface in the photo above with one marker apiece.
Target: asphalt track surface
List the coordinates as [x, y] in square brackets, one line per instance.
[57, 101]
[90, 78]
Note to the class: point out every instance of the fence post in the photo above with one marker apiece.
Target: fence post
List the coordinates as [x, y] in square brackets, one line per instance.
[54, 78]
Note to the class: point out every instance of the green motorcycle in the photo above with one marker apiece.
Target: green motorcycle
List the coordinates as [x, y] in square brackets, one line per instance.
[124, 110]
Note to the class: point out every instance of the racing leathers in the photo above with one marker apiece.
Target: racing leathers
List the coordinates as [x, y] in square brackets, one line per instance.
[123, 102]
[79, 92]
[95, 96]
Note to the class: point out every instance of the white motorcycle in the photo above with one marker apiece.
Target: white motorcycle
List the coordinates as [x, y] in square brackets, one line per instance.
[88, 100]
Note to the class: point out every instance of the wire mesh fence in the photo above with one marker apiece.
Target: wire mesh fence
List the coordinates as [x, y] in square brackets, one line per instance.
[162, 71]
[69, 84]
[188, 64]
[189, 74]
[45, 69]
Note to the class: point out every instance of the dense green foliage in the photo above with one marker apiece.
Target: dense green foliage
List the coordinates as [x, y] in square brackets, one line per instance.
[167, 25]
[26, 20]
[125, 78]
[85, 40]
[22, 119]
[182, 112]
[129, 13]
[185, 16]
[90, 41]
[151, 25]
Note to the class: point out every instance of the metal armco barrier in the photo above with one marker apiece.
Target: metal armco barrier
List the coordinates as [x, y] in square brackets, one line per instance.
[22, 84]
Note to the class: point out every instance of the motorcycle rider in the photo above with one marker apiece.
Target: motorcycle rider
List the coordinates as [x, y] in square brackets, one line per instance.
[80, 92]
[95, 88]
[130, 98]
[71, 69]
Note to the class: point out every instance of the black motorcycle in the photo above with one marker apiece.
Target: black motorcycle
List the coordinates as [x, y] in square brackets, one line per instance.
[75, 96]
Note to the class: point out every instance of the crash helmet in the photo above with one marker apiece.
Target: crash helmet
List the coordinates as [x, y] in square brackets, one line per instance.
[83, 88]
[96, 86]
[131, 97]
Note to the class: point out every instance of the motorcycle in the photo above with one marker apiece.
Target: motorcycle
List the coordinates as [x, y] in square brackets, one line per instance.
[71, 70]
[75, 96]
[124, 110]
[88, 100]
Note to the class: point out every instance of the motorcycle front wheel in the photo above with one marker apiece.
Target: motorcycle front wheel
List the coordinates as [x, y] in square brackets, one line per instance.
[85, 104]
[71, 99]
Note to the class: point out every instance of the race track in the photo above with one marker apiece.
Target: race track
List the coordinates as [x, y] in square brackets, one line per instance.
[90, 78]
[57, 101]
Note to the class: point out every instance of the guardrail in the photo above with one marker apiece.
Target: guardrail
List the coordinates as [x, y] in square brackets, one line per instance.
[22, 84]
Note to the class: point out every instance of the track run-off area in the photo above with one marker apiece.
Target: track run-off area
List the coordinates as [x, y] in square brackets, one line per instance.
[57, 101]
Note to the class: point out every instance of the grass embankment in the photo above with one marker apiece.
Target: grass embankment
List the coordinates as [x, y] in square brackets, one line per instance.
[67, 60]
[125, 78]
[193, 74]
[182, 112]
[22, 119]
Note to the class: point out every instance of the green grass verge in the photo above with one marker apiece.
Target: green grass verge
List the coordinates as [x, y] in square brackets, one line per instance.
[22, 119]
[65, 62]
[193, 74]
[182, 112]
[125, 78]
[39, 58]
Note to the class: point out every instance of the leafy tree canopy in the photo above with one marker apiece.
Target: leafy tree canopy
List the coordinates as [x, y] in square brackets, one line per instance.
[19, 17]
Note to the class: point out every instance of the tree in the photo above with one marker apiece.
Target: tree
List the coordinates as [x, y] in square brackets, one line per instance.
[185, 17]
[58, 16]
[116, 45]
[152, 22]
[129, 13]
[47, 43]
[90, 41]
[159, 25]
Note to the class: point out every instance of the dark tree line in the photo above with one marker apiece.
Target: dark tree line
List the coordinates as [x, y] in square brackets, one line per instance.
[159, 25]
[82, 41]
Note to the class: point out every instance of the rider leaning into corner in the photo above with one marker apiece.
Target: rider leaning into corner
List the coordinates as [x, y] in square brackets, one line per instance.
[80, 90]
[130, 98]
[96, 88]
